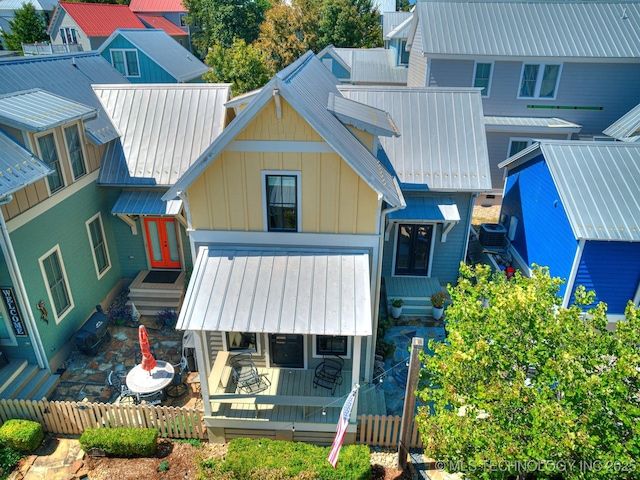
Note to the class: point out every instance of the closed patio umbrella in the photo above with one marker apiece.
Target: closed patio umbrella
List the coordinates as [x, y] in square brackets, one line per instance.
[148, 362]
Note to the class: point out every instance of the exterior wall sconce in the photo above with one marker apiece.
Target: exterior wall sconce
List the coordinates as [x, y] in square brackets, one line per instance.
[43, 311]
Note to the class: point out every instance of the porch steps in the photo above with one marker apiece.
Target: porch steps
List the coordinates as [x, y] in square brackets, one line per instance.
[414, 291]
[151, 298]
[21, 380]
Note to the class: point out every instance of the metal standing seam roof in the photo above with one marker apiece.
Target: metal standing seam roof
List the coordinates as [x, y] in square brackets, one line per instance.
[530, 29]
[402, 30]
[531, 124]
[377, 66]
[391, 20]
[273, 290]
[99, 19]
[145, 202]
[627, 128]
[164, 127]
[427, 209]
[156, 6]
[18, 166]
[361, 116]
[40, 5]
[158, 21]
[442, 143]
[36, 110]
[306, 85]
[69, 76]
[162, 49]
[598, 183]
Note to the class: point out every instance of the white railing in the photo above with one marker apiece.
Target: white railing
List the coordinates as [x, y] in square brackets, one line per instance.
[48, 49]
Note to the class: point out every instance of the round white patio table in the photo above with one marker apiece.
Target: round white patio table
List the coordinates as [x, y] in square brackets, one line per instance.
[142, 381]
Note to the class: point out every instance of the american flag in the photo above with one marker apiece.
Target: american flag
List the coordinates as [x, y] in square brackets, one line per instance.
[343, 423]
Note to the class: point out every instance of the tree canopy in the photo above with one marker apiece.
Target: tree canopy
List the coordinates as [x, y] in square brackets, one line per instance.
[27, 26]
[524, 388]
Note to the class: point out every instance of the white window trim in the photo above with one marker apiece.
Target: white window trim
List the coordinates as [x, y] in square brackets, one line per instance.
[81, 139]
[517, 139]
[475, 70]
[98, 216]
[263, 177]
[52, 307]
[225, 344]
[402, 49]
[314, 345]
[124, 55]
[536, 95]
[36, 138]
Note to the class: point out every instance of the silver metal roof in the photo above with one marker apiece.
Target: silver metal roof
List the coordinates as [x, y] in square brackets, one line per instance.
[305, 85]
[40, 5]
[361, 116]
[164, 129]
[626, 128]
[278, 291]
[530, 125]
[145, 202]
[344, 54]
[391, 20]
[401, 31]
[18, 167]
[36, 110]
[530, 29]
[68, 76]
[376, 66]
[442, 143]
[432, 209]
[598, 183]
[163, 50]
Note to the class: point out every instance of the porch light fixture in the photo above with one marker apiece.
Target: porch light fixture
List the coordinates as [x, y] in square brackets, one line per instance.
[324, 411]
[293, 427]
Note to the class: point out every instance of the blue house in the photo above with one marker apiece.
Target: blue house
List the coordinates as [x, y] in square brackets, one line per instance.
[574, 207]
[151, 56]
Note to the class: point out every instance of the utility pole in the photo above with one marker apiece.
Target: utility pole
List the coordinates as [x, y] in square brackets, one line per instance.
[408, 411]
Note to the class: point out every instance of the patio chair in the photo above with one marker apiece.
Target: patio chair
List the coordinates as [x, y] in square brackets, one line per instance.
[246, 376]
[178, 387]
[329, 373]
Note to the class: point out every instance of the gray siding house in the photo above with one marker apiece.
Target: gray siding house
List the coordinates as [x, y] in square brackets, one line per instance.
[551, 70]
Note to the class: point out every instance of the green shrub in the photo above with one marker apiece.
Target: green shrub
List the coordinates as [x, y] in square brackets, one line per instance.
[9, 458]
[264, 459]
[21, 435]
[164, 466]
[122, 441]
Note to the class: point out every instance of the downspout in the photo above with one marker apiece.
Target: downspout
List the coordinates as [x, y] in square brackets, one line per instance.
[21, 291]
[378, 283]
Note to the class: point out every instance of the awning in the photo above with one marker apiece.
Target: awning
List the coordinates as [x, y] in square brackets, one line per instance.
[276, 290]
[145, 202]
[427, 209]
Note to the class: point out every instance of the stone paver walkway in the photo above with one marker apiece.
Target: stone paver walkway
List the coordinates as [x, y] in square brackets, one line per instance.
[60, 458]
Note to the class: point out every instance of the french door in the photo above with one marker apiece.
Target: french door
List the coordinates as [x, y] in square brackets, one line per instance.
[413, 249]
[162, 242]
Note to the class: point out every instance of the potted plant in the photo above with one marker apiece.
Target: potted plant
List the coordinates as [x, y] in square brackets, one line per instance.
[437, 304]
[396, 307]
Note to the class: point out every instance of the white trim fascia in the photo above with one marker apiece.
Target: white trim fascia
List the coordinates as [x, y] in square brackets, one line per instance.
[284, 239]
[98, 216]
[57, 250]
[574, 273]
[534, 130]
[58, 197]
[279, 146]
[636, 297]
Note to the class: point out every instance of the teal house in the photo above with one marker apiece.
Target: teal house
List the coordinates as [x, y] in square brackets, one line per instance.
[151, 56]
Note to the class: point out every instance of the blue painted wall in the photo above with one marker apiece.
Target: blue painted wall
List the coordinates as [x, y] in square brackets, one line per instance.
[337, 69]
[150, 71]
[612, 269]
[544, 235]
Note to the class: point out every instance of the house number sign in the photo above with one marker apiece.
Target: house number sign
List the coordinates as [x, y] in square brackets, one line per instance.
[12, 309]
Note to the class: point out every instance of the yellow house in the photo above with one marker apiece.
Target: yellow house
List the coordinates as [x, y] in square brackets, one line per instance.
[286, 216]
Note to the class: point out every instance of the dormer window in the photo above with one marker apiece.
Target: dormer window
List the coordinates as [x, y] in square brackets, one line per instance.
[282, 201]
[72, 136]
[68, 36]
[49, 154]
[126, 62]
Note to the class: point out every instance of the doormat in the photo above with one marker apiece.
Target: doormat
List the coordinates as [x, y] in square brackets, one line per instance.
[162, 276]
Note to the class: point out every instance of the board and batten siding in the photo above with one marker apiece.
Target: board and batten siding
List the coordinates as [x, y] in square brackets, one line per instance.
[229, 194]
[543, 235]
[417, 74]
[612, 269]
[150, 71]
[446, 256]
[37, 192]
[581, 85]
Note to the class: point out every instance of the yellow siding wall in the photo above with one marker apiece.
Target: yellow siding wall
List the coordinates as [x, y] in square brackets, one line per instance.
[229, 194]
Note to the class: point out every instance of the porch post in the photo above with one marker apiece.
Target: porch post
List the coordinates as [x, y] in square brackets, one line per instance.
[355, 374]
[204, 368]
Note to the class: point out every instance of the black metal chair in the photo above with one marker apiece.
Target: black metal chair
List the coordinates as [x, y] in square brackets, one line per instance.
[178, 387]
[246, 376]
[329, 373]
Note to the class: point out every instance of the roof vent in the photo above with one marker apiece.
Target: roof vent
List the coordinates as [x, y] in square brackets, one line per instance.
[624, 13]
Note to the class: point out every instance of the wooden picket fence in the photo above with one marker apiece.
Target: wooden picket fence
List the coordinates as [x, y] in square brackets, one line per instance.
[384, 431]
[73, 417]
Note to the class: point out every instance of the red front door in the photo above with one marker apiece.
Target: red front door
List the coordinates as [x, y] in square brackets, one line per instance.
[162, 242]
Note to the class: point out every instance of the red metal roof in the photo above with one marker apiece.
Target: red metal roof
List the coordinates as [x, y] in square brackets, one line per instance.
[156, 6]
[101, 19]
[158, 21]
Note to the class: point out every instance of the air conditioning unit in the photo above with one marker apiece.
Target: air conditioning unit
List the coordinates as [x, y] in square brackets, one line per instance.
[492, 235]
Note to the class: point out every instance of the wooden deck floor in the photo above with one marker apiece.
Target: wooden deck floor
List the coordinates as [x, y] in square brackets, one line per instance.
[297, 383]
[411, 287]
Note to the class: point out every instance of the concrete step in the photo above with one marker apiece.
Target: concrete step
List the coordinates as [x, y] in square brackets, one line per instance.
[10, 373]
[47, 387]
[23, 374]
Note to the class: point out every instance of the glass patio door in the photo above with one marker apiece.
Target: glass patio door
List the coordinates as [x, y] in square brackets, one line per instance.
[413, 249]
[162, 242]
